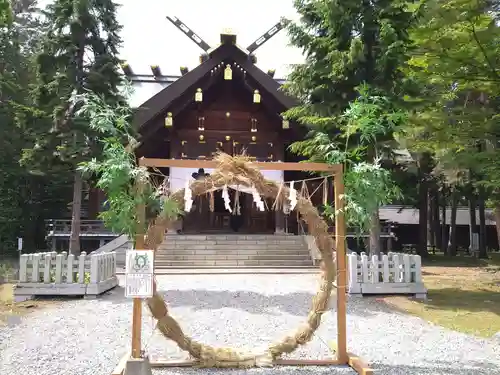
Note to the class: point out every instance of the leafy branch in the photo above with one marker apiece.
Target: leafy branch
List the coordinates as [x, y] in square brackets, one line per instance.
[117, 171]
[370, 120]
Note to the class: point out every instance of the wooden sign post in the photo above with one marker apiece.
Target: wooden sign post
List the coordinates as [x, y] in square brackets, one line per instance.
[137, 304]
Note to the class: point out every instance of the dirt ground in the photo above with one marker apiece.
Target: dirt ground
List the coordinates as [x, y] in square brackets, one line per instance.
[10, 311]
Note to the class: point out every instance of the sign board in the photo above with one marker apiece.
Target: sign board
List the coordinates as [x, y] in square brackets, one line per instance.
[139, 267]
[19, 243]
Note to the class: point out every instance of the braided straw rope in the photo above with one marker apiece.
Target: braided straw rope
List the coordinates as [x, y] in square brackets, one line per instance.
[238, 170]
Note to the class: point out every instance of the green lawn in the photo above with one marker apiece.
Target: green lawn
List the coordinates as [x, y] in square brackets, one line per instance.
[463, 294]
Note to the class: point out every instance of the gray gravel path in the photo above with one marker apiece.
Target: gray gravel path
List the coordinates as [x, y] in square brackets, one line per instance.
[89, 336]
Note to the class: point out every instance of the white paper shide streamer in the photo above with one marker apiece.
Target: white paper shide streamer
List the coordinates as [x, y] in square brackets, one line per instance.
[188, 197]
[293, 196]
[257, 199]
[227, 199]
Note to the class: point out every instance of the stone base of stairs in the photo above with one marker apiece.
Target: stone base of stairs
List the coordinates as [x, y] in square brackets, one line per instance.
[233, 251]
[230, 271]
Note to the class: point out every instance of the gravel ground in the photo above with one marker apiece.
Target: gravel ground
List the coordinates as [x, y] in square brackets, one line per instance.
[89, 336]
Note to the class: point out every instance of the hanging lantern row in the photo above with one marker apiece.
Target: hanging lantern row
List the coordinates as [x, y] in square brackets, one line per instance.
[198, 96]
[169, 122]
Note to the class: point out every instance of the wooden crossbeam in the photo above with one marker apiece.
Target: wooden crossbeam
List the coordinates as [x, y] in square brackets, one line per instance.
[189, 33]
[270, 166]
[266, 36]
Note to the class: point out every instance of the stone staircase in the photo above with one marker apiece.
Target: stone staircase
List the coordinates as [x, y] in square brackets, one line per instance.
[232, 251]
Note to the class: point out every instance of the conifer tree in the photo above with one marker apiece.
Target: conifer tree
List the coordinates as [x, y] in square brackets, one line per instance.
[354, 51]
[79, 54]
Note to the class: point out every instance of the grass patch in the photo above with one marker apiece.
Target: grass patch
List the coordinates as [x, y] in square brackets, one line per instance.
[463, 295]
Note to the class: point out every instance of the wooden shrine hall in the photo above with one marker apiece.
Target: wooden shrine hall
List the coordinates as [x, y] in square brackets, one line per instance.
[225, 104]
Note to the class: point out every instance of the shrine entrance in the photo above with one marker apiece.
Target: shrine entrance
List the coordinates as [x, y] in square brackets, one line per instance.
[245, 218]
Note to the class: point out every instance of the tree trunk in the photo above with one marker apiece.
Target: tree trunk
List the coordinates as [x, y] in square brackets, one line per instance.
[375, 234]
[74, 242]
[483, 253]
[472, 224]
[444, 232]
[436, 223]
[430, 227]
[497, 222]
[423, 208]
[452, 241]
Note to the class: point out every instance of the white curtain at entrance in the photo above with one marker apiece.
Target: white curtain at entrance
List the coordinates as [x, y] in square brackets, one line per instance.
[179, 176]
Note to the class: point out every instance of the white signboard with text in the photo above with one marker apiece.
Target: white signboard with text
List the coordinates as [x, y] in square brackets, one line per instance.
[139, 274]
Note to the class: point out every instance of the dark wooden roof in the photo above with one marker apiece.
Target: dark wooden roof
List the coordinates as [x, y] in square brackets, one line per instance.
[156, 106]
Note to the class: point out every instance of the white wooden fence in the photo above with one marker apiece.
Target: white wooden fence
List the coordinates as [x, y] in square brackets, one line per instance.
[390, 273]
[62, 274]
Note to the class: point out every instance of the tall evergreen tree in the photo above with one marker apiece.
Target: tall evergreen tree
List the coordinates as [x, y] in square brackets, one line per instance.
[349, 44]
[456, 66]
[26, 199]
[79, 54]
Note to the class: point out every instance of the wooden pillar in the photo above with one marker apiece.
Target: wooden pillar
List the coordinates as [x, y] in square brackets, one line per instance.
[340, 244]
[137, 303]
[279, 222]
[93, 203]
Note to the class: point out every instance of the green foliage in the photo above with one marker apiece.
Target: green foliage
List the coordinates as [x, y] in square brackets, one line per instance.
[346, 44]
[117, 172]
[78, 54]
[367, 185]
[6, 16]
[26, 199]
[455, 67]
[170, 209]
[351, 88]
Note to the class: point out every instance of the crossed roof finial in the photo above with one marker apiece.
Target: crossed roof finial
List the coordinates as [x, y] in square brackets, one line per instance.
[206, 47]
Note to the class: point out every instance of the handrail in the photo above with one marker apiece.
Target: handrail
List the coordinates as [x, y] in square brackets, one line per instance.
[86, 226]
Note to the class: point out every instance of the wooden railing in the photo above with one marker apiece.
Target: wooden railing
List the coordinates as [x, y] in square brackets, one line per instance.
[62, 274]
[385, 274]
[60, 227]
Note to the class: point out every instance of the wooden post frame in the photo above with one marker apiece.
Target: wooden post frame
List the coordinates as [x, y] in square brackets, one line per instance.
[343, 356]
[137, 303]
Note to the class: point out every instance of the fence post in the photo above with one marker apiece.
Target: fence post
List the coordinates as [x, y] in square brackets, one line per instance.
[375, 270]
[47, 266]
[406, 268]
[417, 261]
[59, 268]
[94, 269]
[354, 283]
[365, 275]
[385, 266]
[69, 269]
[395, 259]
[35, 271]
[23, 269]
[81, 267]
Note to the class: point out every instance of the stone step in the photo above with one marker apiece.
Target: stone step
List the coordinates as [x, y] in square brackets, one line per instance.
[168, 242]
[241, 248]
[284, 257]
[230, 237]
[246, 252]
[234, 263]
